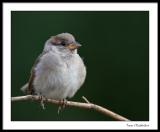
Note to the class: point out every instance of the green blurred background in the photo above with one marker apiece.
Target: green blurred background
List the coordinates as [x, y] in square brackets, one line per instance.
[116, 53]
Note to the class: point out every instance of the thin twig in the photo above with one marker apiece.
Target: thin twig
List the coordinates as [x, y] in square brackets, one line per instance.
[85, 99]
[87, 105]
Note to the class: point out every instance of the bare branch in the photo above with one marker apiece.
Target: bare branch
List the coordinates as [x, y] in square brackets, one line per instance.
[87, 105]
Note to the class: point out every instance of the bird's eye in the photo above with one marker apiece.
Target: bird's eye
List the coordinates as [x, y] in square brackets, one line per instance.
[63, 43]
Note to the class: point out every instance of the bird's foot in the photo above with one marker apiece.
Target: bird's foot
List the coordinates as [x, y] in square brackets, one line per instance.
[62, 103]
[42, 99]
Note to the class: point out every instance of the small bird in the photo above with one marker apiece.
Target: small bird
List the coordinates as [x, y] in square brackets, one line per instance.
[59, 71]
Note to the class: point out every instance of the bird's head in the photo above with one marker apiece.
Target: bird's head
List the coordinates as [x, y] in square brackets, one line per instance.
[65, 41]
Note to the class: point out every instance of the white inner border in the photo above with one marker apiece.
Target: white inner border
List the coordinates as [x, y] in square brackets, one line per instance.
[153, 28]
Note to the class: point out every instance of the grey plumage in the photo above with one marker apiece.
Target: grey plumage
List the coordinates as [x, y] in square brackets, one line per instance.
[59, 71]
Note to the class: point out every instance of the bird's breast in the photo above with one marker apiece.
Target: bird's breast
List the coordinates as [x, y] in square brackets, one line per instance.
[76, 74]
[59, 77]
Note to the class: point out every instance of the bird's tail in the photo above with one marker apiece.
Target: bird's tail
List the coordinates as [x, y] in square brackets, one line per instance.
[24, 88]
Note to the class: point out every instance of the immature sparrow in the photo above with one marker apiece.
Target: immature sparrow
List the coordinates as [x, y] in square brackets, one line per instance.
[59, 71]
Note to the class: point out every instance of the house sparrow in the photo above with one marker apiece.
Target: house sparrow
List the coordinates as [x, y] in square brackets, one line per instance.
[59, 71]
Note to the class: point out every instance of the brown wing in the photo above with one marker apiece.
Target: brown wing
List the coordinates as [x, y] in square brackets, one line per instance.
[30, 89]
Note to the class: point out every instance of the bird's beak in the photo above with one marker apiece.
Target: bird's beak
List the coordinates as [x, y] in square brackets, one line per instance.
[74, 45]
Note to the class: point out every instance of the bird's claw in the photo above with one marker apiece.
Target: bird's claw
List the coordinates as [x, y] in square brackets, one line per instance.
[42, 99]
[62, 103]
